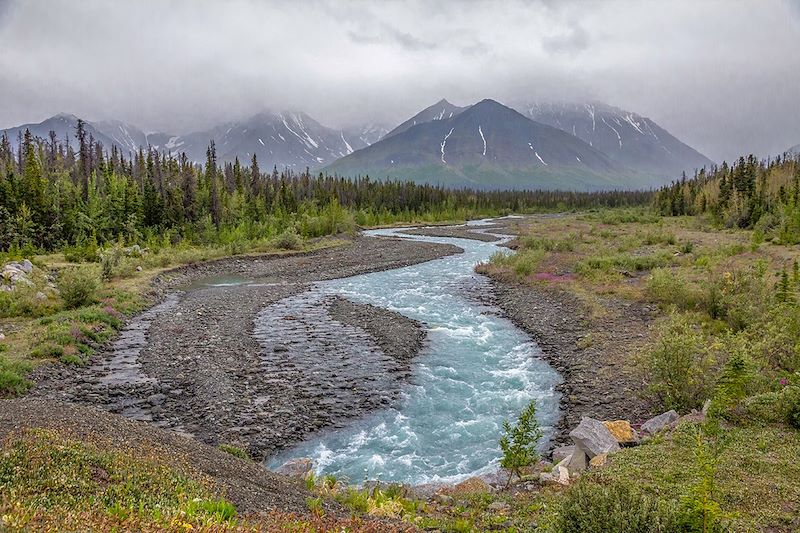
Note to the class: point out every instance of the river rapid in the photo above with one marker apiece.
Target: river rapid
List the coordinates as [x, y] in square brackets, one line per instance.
[475, 370]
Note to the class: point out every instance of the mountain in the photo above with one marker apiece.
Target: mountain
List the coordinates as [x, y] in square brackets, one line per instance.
[282, 139]
[487, 145]
[794, 149]
[627, 138]
[441, 110]
[125, 136]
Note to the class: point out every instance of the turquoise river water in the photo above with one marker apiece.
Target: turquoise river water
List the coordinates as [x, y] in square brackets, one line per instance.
[476, 370]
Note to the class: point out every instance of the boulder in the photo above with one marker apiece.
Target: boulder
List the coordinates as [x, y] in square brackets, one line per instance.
[562, 452]
[593, 437]
[622, 431]
[578, 461]
[599, 460]
[26, 266]
[559, 474]
[658, 423]
[298, 468]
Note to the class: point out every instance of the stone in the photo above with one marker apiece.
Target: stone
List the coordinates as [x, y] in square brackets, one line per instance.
[443, 499]
[26, 266]
[498, 506]
[658, 423]
[156, 399]
[578, 461]
[470, 486]
[2, 336]
[599, 460]
[593, 437]
[138, 269]
[622, 431]
[297, 468]
[41, 296]
[562, 452]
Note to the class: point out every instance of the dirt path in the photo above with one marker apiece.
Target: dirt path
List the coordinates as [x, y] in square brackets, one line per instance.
[261, 365]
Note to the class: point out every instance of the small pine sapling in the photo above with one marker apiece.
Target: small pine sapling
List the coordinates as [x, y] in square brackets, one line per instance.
[519, 442]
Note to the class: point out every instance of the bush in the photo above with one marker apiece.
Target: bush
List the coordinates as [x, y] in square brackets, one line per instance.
[519, 442]
[775, 407]
[678, 365]
[590, 507]
[288, 240]
[664, 286]
[12, 377]
[234, 450]
[78, 286]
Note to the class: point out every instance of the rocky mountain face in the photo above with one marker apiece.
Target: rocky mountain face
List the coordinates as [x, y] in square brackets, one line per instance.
[441, 110]
[543, 145]
[487, 145]
[124, 136]
[628, 138]
[283, 139]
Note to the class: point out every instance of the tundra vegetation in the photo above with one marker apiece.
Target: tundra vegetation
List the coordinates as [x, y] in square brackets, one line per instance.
[717, 255]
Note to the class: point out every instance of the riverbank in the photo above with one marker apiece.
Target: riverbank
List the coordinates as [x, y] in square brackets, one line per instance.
[205, 372]
[591, 347]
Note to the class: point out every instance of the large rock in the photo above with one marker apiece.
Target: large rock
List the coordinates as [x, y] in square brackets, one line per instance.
[298, 468]
[562, 452]
[593, 437]
[658, 423]
[622, 431]
[26, 266]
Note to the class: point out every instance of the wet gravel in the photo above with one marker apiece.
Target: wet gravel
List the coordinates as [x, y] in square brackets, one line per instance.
[260, 365]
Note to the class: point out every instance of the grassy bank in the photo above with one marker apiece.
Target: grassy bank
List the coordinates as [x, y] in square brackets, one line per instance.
[727, 330]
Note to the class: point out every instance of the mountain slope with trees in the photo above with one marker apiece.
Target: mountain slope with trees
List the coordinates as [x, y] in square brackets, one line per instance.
[489, 146]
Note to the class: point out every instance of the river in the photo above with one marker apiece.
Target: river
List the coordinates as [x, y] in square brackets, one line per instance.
[476, 370]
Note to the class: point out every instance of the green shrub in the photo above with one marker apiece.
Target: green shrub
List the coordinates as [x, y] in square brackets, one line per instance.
[78, 286]
[109, 261]
[288, 240]
[233, 450]
[678, 365]
[12, 377]
[774, 407]
[589, 507]
[519, 442]
[666, 287]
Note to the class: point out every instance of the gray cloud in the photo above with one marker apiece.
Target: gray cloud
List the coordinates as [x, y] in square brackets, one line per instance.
[723, 76]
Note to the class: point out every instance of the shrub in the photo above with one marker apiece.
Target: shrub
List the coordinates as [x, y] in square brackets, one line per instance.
[774, 407]
[109, 261]
[233, 450]
[12, 377]
[288, 240]
[677, 364]
[590, 507]
[519, 442]
[664, 286]
[78, 286]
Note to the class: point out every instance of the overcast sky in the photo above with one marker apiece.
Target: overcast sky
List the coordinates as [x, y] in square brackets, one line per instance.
[723, 76]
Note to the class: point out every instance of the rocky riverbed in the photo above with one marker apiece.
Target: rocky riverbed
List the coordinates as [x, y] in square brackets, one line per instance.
[260, 362]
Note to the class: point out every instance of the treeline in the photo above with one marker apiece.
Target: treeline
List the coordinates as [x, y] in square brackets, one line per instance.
[760, 194]
[53, 195]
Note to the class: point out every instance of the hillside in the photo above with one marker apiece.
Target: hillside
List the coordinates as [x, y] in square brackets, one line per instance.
[627, 138]
[488, 145]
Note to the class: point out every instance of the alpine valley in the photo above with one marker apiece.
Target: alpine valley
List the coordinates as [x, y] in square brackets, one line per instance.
[565, 146]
